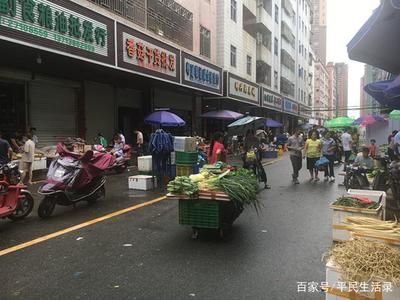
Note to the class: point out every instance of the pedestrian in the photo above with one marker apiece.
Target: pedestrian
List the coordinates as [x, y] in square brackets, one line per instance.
[101, 140]
[217, 150]
[296, 146]
[5, 151]
[391, 152]
[27, 158]
[17, 141]
[328, 145]
[35, 139]
[396, 143]
[139, 142]
[347, 146]
[373, 148]
[312, 151]
[122, 137]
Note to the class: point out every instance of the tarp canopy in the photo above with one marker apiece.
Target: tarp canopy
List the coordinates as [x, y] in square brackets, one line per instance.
[222, 115]
[377, 42]
[386, 92]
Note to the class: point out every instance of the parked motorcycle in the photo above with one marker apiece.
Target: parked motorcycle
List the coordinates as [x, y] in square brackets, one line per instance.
[15, 201]
[357, 178]
[72, 178]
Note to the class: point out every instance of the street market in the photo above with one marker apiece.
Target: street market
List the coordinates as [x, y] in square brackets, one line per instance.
[179, 149]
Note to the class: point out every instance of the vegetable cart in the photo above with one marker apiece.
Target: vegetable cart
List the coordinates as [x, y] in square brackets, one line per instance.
[211, 210]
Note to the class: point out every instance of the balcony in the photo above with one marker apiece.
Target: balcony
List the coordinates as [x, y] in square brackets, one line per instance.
[263, 75]
[264, 54]
[262, 22]
[250, 5]
[133, 10]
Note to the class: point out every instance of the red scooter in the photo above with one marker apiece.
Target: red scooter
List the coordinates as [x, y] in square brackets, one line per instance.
[15, 201]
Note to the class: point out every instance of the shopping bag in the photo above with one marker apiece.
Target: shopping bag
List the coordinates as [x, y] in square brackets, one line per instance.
[322, 163]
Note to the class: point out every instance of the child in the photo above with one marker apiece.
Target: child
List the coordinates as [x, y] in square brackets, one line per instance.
[373, 149]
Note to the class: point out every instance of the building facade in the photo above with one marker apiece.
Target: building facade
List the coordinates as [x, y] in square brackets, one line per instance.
[342, 78]
[77, 68]
[322, 93]
[332, 93]
[319, 29]
[368, 105]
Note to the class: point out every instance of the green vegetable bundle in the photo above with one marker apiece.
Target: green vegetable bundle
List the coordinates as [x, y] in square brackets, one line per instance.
[242, 189]
[354, 202]
[182, 185]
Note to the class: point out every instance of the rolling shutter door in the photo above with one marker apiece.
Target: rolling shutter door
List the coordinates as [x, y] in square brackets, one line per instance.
[53, 111]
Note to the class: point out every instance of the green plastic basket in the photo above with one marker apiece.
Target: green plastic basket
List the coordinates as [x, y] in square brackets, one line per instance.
[186, 158]
[200, 213]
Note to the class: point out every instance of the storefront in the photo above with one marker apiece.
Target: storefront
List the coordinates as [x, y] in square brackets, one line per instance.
[42, 97]
[291, 117]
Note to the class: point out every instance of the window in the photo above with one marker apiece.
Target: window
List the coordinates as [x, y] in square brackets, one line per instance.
[276, 79]
[233, 56]
[248, 65]
[276, 14]
[205, 42]
[299, 48]
[276, 46]
[233, 9]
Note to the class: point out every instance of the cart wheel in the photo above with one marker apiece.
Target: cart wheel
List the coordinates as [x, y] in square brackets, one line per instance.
[195, 234]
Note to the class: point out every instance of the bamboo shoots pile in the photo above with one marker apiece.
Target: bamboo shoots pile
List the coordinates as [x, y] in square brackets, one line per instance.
[374, 227]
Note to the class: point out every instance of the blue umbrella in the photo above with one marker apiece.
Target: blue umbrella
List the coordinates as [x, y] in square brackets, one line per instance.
[164, 118]
[272, 123]
[244, 121]
[386, 92]
[222, 115]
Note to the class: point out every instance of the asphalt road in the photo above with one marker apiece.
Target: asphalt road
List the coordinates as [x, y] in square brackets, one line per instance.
[146, 254]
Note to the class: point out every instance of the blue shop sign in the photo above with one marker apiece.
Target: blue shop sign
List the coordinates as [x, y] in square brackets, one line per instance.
[201, 74]
[290, 106]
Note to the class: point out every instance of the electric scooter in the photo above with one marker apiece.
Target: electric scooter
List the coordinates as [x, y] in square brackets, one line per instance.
[15, 201]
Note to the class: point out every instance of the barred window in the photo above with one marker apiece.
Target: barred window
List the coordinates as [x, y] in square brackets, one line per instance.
[205, 42]
[249, 64]
[233, 10]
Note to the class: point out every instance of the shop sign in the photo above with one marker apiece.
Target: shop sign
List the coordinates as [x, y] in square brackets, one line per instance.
[242, 89]
[271, 101]
[305, 111]
[143, 54]
[200, 74]
[59, 25]
[290, 106]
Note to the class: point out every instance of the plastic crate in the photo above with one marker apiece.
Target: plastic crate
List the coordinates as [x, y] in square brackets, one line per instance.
[184, 170]
[200, 213]
[186, 158]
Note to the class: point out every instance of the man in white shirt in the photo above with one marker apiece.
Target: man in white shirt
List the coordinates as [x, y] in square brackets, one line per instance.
[347, 144]
[27, 158]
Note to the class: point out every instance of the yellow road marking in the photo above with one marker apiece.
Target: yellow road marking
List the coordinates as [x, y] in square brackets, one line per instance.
[78, 226]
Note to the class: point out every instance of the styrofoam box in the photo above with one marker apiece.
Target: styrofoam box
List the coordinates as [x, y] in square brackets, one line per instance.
[333, 277]
[39, 163]
[145, 163]
[339, 233]
[184, 144]
[141, 182]
[373, 195]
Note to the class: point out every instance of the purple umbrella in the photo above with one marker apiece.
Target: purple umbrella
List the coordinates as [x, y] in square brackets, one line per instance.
[222, 115]
[164, 118]
[272, 123]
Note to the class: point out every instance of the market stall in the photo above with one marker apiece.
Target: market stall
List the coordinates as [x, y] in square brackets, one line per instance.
[214, 198]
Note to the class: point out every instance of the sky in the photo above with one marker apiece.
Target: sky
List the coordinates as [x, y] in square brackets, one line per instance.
[344, 19]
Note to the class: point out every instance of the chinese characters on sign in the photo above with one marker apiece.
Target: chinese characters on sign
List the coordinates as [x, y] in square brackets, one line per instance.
[271, 101]
[357, 287]
[290, 106]
[243, 90]
[146, 55]
[45, 19]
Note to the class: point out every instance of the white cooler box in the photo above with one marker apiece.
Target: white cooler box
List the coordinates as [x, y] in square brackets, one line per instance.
[39, 163]
[373, 195]
[145, 163]
[141, 182]
[184, 144]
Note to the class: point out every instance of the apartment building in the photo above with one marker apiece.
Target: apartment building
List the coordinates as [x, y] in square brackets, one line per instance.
[324, 89]
[332, 96]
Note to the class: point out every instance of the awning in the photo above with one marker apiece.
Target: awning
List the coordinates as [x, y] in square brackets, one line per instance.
[377, 43]
[387, 92]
